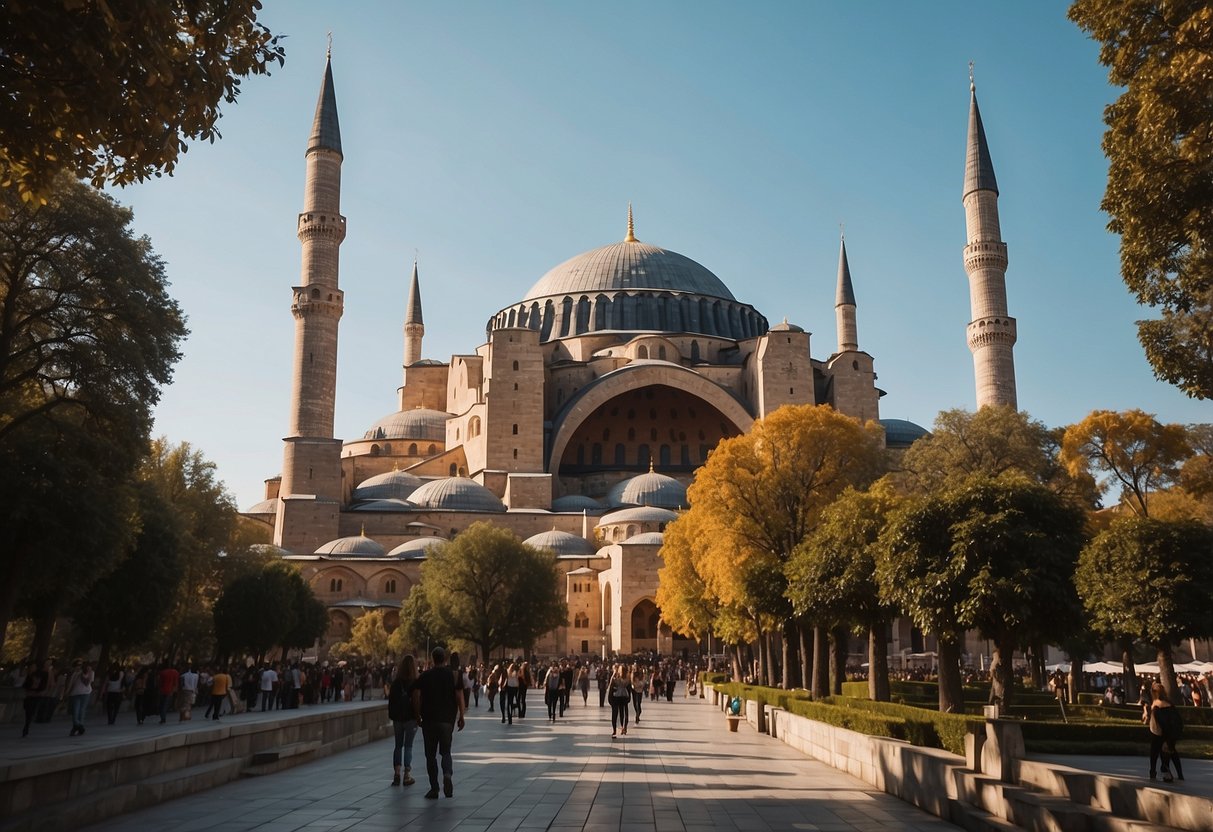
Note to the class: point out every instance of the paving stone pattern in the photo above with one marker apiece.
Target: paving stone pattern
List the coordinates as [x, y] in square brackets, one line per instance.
[678, 770]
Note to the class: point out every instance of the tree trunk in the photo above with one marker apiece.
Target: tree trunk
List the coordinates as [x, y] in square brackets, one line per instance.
[785, 662]
[761, 675]
[806, 654]
[735, 657]
[44, 629]
[1129, 671]
[1075, 681]
[1004, 658]
[821, 662]
[840, 642]
[951, 698]
[1166, 675]
[878, 663]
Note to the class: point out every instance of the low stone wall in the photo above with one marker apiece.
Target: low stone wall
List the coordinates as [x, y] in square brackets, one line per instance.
[120, 772]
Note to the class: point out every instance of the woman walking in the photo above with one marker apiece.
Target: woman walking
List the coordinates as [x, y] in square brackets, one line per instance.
[37, 681]
[525, 682]
[493, 684]
[113, 693]
[79, 689]
[583, 684]
[1165, 726]
[620, 694]
[400, 711]
[637, 688]
[551, 690]
[509, 693]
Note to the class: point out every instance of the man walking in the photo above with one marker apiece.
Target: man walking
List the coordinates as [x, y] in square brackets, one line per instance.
[438, 703]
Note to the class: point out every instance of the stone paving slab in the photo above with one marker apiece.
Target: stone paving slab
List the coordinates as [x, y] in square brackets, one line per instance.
[678, 770]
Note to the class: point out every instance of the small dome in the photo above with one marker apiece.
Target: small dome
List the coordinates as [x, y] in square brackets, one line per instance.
[576, 502]
[394, 485]
[356, 546]
[561, 543]
[416, 548]
[419, 423]
[651, 489]
[643, 514]
[645, 539]
[456, 494]
[263, 507]
[786, 327]
[901, 433]
[383, 505]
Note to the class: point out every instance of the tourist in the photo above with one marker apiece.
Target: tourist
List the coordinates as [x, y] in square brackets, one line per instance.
[79, 689]
[221, 683]
[637, 680]
[473, 685]
[1165, 726]
[145, 690]
[493, 683]
[511, 693]
[525, 682]
[621, 696]
[551, 690]
[269, 681]
[189, 685]
[404, 719]
[248, 689]
[603, 673]
[113, 693]
[37, 682]
[583, 684]
[168, 678]
[566, 684]
[438, 704]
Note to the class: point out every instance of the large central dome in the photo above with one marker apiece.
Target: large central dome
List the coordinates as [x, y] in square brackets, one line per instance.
[629, 265]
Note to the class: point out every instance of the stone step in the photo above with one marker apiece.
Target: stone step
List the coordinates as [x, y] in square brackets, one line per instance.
[273, 760]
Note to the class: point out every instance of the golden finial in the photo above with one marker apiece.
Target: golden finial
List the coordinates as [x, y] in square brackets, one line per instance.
[972, 86]
[328, 53]
[631, 238]
[650, 465]
[363, 532]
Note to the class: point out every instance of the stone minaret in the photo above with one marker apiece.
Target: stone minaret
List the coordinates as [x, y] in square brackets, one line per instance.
[844, 305]
[991, 333]
[414, 327]
[312, 458]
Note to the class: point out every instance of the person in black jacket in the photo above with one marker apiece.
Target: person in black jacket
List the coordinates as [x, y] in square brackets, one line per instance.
[404, 719]
[439, 708]
[1165, 726]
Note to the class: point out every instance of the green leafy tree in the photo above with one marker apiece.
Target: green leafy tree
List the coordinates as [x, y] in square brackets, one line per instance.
[488, 588]
[416, 626]
[996, 555]
[834, 571]
[110, 92]
[1150, 580]
[262, 610]
[88, 336]
[1160, 172]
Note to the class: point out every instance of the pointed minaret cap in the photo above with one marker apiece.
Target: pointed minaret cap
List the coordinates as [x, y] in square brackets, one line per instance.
[979, 169]
[413, 315]
[846, 292]
[326, 131]
[631, 238]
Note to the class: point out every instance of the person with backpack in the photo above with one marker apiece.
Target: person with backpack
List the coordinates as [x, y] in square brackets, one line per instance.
[404, 719]
[1165, 726]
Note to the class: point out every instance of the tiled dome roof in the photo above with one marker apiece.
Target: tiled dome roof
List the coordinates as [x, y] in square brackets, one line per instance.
[419, 423]
[263, 507]
[646, 539]
[643, 514]
[576, 502]
[651, 489]
[456, 494]
[394, 485]
[415, 548]
[629, 265]
[902, 433]
[561, 543]
[356, 546]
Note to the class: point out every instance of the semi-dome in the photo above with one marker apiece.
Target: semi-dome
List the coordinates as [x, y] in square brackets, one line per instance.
[456, 494]
[355, 546]
[645, 539]
[641, 514]
[416, 548]
[393, 485]
[418, 423]
[651, 489]
[627, 266]
[561, 543]
[902, 433]
[576, 502]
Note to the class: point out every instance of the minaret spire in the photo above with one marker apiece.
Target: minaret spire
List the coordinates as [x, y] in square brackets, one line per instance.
[414, 327]
[311, 468]
[631, 238]
[844, 303]
[991, 332]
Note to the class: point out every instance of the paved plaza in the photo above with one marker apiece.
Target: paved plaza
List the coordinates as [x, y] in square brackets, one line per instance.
[679, 769]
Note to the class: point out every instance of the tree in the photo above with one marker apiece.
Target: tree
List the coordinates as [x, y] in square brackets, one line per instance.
[110, 92]
[368, 638]
[1138, 451]
[1160, 173]
[488, 588]
[996, 555]
[1150, 580]
[992, 441]
[262, 610]
[761, 494]
[834, 570]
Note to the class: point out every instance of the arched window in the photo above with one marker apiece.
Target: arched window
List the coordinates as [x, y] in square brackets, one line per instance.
[664, 456]
[335, 585]
[454, 469]
[515, 366]
[413, 449]
[474, 427]
[389, 586]
[433, 450]
[515, 431]
[661, 352]
[596, 454]
[642, 351]
[621, 454]
[643, 457]
[694, 350]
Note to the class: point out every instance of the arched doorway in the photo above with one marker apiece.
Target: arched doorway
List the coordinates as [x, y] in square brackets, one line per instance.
[645, 620]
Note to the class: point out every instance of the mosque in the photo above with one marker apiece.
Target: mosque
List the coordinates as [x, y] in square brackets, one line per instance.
[577, 424]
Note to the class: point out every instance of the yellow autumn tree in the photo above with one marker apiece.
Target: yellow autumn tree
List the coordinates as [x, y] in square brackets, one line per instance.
[1128, 447]
[759, 496]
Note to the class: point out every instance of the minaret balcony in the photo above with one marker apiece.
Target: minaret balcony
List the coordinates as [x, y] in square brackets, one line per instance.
[985, 332]
[985, 254]
[311, 300]
[321, 226]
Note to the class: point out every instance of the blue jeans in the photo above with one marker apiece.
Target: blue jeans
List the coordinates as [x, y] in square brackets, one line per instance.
[77, 705]
[437, 737]
[405, 732]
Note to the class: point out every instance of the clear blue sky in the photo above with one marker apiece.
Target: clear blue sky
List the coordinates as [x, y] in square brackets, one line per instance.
[499, 139]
